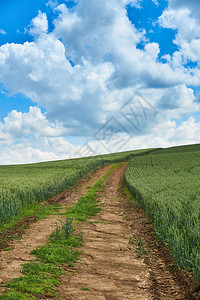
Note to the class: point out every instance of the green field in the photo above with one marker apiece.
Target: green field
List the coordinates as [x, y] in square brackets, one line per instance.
[166, 183]
[178, 149]
[24, 185]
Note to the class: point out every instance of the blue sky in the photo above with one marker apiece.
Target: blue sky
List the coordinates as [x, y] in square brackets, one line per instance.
[15, 17]
[146, 18]
[68, 67]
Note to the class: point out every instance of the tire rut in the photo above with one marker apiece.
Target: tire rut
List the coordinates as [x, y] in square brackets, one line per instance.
[110, 267]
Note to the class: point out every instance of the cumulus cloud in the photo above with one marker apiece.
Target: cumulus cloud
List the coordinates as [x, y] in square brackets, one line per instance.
[84, 71]
[36, 146]
[99, 31]
[41, 72]
[47, 149]
[178, 101]
[181, 16]
[102, 43]
[192, 5]
[153, 50]
[30, 137]
[166, 134]
[35, 123]
[52, 3]
[39, 24]
[177, 19]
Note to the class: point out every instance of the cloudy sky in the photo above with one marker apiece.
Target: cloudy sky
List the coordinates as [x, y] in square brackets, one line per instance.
[88, 76]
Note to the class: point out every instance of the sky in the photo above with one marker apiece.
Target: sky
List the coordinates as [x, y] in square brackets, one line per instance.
[88, 77]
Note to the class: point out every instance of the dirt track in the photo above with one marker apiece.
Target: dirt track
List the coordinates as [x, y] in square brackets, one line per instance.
[38, 232]
[109, 267]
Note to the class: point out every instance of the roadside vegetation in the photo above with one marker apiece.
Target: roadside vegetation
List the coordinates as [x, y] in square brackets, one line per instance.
[41, 276]
[166, 183]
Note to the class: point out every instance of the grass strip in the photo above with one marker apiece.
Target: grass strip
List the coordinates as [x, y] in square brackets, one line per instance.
[40, 211]
[88, 205]
[16, 227]
[41, 277]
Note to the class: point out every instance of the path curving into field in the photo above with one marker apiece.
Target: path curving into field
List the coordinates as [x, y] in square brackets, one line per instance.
[113, 265]
[110, 268]
[38, 232]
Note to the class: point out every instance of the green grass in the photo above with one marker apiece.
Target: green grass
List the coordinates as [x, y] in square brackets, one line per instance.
[178, 149]
[137, 241]
[24, 186]
[84, 288]
[58, 252]
[41, 277]
[88, 205]
[15, 295]
[59, 249]
[38, 210]
[131, 199]
[167, 187]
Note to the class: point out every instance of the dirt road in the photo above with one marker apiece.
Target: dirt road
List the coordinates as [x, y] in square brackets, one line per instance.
[120, 260]
[38, 232]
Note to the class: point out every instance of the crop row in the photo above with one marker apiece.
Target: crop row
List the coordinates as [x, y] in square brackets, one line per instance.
[167, 186]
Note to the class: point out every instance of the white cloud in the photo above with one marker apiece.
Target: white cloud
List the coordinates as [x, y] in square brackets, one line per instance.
[22, 141]
[41, 150]
[153, 50]
[181, 17]
[52, 3]
[100, 31]
[100, 40]
[192, 5]
[41, 72]
[35, 123]
[155, 2]
[136, 3]
[30, 137]
[178, 19]
[178, 101]
[2, 31]
[166, 134]
[39, 24]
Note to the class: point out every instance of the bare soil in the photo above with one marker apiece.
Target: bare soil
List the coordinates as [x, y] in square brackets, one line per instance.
[30, 233]
[110, 267]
